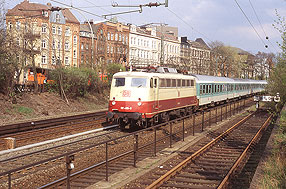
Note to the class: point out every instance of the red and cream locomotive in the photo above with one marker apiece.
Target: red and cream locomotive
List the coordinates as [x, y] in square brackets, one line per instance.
[143, 98]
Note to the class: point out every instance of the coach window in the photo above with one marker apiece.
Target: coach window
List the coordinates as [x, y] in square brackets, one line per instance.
[168, 82]
[119, 82]
[179, 82]
[192, 83]
[183, 82]
[162, 83]
[138, 82]
[173, 82]
[188, 83]
[210, 88]
[204, 89]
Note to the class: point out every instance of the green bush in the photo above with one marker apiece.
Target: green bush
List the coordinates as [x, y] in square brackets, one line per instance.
[76, 82]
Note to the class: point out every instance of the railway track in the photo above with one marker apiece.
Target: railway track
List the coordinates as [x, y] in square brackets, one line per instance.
[27, 160]
[213, 165]
[51, 161]
[42, 133]
[45, 123]
[145, 150]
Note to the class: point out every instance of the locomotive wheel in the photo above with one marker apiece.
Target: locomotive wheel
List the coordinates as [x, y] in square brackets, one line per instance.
[122, 124]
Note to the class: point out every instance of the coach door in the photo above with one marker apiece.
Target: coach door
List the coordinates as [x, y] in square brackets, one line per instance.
[156, 92]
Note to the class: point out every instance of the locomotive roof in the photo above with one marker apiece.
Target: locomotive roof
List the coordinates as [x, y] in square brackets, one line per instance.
[215, 79]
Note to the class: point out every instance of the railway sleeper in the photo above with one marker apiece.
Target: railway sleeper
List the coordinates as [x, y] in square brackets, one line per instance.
[183, 179]
[177, 185]
[200, 176]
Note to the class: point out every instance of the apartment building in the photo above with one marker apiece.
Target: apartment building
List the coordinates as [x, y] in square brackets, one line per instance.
[50, 34]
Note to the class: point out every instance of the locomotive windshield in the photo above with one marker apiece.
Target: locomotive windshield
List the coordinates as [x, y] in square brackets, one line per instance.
[119, 82]
[138, 82]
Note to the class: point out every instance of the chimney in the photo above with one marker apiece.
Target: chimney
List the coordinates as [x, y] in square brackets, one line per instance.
[91, 21]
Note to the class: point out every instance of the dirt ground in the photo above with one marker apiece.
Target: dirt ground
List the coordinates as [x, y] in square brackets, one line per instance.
[29, 106]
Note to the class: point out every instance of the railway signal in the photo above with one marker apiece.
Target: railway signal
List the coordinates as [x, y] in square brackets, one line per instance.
[258, 99]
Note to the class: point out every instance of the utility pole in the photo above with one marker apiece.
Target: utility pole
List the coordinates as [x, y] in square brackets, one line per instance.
[162, 57]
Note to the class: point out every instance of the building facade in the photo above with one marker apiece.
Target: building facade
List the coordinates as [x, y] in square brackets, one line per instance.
[50, 35]
[196, 56]
[110, 44]
[143, 47]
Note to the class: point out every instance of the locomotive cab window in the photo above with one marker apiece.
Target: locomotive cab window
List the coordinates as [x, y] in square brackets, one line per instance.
[138, 82]
[119, 82]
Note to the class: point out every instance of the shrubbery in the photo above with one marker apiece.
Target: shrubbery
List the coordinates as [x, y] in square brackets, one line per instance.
[76, 82]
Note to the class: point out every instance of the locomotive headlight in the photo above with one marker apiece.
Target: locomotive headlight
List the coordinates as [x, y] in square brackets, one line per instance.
[139, 103]
[113, 102]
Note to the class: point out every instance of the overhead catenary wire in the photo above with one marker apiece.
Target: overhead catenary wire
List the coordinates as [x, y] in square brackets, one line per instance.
[189, 24]
[103, 9]
[267, 38]
[250, 23]
[70, 6]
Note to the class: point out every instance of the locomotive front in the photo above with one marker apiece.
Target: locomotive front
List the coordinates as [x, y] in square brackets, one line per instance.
[129, 98]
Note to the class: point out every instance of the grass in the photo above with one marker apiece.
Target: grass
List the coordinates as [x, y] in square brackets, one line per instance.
[23, 110]
[275, 167]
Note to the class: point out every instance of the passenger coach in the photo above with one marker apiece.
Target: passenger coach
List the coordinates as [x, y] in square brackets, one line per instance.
[213, 90]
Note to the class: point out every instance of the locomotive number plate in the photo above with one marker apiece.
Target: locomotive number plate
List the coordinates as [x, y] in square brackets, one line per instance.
[126, 93]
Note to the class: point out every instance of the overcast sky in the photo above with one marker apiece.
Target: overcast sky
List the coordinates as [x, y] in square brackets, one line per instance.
[212, 20]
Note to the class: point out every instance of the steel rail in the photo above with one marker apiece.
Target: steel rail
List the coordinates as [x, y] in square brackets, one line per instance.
[93, 145]
[225, 181]
[177, 168]
[39, 124]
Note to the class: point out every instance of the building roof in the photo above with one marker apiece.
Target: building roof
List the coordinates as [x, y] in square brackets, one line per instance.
[199, 43]
[166, 36]
[28, 9]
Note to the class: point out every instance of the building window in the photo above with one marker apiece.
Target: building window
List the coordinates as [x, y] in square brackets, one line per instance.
[59, 45]
[81, 46]
[53, 60]
[119, 37]
[111, 50]
[18, 41]
[67, 33]
[74, 53]
[66, 45]
[44, 44]
[58, 18]
[54, 29]
[54, 44]
[107, 49]
[111, 36]
[45, 13]
[18, 25]
[44, 28]
[59, 30]
[108, 36]
[44, 59]
[9, 25]
[66, 60]
[116, 37]
[74, 40]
